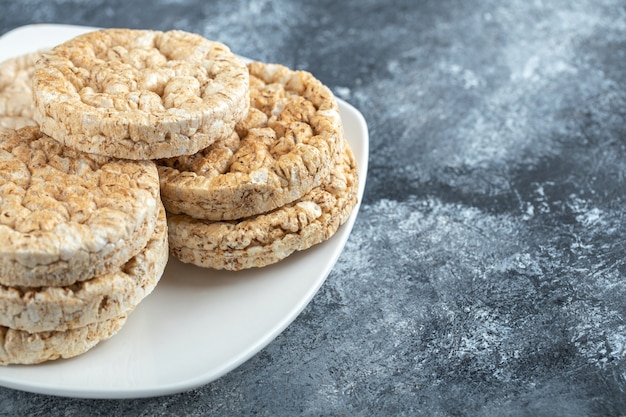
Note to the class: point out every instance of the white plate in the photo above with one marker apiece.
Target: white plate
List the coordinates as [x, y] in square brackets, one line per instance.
[198, 324]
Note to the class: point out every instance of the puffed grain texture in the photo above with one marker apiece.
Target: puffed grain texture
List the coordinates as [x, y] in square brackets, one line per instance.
[140, 94]
[61, 308]
[268, 238]
[287, 142]
[20, 347]
[16, 101]
[66, 216]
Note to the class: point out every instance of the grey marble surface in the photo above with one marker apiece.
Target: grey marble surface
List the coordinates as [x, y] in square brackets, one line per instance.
[485, 275]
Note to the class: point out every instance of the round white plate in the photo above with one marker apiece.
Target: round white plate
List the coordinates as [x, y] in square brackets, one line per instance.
[198, 324]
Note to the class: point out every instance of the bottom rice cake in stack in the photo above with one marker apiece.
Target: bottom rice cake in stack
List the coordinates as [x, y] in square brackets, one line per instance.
[285, 182]
[83, 240]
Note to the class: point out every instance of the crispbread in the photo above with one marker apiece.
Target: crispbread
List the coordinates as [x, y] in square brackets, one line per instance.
[288, 141]
[20, 347]
[16, 102]
[66, 216]
[60, 308]
[268, 238]
[140, 94]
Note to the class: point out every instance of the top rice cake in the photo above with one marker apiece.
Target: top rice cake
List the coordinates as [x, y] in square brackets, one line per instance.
[283, 149]
[139, 94]
[67, 216]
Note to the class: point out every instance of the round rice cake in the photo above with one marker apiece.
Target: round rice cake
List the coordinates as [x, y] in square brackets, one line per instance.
[140, 94]
[284, 149]
[270, 237]
[16, 101]
[67, 216]
[20, 347]
[104, 297]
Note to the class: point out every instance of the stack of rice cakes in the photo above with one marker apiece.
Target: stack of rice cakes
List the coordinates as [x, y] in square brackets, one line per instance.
[285, 181]
[83, 240]
[82, 227]
[249, 162]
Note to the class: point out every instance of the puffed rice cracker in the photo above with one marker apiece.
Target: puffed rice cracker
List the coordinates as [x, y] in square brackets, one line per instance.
[267, 238]
[140, 94]
[287, 143]
[101, 298]
[16, 102]
[20, 347]
[66, 216]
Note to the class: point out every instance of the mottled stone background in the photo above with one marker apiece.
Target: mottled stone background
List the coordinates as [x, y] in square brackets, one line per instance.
[485, 275]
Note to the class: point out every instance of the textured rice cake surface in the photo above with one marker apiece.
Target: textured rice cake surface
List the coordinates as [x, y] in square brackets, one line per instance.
[104, 297]
[16, 101]
[20, 347]
[66, 216]
[140, 94]
[268, 238]
[284, 149]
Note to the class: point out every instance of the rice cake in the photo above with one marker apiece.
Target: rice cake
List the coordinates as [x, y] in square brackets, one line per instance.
[67, 216]
[265, 239]
[140, 94]
[101, 298]
[16, 102]
[20, 347]
[285, 148]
